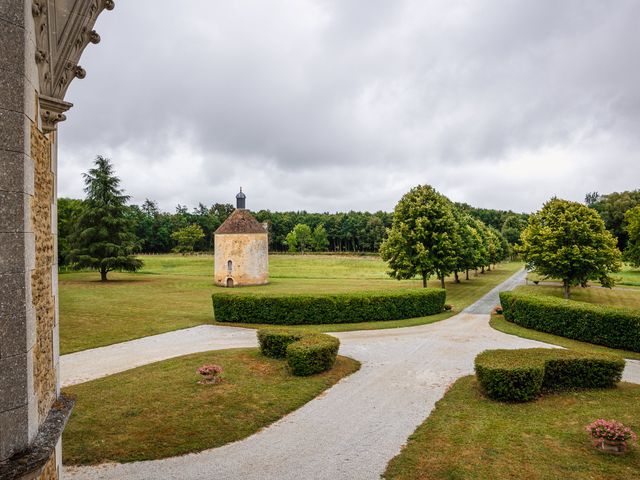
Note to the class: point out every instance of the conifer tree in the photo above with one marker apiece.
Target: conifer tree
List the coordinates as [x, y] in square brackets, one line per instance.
[102, 239]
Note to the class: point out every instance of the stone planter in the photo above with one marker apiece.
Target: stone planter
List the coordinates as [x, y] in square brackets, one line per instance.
[614, 447]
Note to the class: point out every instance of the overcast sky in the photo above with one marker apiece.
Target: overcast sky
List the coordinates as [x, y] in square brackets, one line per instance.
[337, 105]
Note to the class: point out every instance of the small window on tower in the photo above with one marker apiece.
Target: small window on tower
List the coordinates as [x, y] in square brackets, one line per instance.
[229, 265]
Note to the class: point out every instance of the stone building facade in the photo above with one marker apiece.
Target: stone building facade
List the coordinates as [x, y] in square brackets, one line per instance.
[40, 44]
[241, 249]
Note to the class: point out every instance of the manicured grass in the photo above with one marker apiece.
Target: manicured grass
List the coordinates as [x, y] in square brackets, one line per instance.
[618, 297]
[159, 410]
[499, 323]
[628, 276]
[468, 436]
[173, 292]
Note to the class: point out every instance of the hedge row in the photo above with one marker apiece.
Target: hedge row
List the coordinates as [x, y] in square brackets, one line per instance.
[306, 353]
[613, 327]
[317, 309]
[522, 375]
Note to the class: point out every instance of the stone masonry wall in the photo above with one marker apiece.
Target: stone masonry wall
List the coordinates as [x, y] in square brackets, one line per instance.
[41, 277]
[249, 254]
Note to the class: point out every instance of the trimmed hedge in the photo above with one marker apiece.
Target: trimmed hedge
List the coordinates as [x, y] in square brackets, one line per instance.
[522, 375]
[613, 327]
[306, 353]
[319, 309]
[274, 343]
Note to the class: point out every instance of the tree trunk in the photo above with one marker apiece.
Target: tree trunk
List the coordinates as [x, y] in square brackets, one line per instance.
[103, 274]
[442, 282]
[467, 274]
[455, 274]
[489, 268]
[482, 269]
[565, 288]
[424, 281]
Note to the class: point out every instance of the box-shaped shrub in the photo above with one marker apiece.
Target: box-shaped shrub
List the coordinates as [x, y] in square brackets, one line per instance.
[522, 375]
[306, 353]
[323, 309]
[613, 327]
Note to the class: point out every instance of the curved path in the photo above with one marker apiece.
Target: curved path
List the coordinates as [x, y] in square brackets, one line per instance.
[349, 432]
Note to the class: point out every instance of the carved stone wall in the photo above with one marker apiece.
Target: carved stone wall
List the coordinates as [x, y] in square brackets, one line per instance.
[50, 470]
[44, 374]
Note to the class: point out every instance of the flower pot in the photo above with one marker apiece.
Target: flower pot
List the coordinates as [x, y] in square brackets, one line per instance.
[614, 447]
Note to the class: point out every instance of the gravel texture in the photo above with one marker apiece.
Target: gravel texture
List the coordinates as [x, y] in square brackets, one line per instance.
[349, 432]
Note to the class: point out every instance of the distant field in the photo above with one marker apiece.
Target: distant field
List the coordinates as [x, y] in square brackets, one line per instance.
[173, 292]
[621, 297]
[629, 276]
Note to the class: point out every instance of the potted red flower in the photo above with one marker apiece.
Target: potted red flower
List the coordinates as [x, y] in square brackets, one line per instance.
[211, 374]
[610, 436]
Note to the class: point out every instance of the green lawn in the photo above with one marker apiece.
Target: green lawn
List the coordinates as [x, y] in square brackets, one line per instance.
[468, 436]
[159, 410]
[628, 276]
[173, 292]
[620, 297]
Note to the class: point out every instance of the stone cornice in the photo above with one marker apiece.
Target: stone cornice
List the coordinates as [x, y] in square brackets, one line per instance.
[63, 29]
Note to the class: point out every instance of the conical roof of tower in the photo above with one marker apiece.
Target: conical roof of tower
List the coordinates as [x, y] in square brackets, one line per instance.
[241, 221]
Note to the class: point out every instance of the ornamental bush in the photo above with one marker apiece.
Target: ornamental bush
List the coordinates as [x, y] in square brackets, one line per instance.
[306, 353]
[319, 309]
[613, 327]
[274, 343]
[522, 375]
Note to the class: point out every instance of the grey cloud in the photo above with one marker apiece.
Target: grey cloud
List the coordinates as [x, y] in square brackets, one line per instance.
[332, 105]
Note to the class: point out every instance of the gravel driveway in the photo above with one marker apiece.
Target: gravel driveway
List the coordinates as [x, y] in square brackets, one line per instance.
[349, 432]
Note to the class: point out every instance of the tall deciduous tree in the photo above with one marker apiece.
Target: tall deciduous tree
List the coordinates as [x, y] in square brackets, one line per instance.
[300, 238]
[568, 240]
[102, 239]
[187, 237]
[320, 238]
[632, 227]
[422, 239]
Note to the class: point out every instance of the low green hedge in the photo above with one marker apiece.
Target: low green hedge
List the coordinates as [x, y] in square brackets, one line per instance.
[613, 327]
[274, 343]
[306, 353]
[319, 309]
[522, 375]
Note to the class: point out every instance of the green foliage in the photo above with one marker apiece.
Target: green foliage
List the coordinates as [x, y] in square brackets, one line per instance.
[600, 324]
[632, 228]
[187, 237]
[612, 208]
[323, 309]
[568, 240]
[522, 375]
[69, 210]
[300, 238]
[102, 237]
[490, 217]
[320, 239]
[513, 227]
[306, 353]
[274, 342]
[313, 353]
[423, 238]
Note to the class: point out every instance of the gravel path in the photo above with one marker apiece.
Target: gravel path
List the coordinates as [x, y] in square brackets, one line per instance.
[354, 429]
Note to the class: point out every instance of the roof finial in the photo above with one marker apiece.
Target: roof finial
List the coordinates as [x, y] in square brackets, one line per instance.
[240, 199]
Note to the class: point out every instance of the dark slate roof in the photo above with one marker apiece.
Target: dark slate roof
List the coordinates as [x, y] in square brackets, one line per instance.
[241, 221]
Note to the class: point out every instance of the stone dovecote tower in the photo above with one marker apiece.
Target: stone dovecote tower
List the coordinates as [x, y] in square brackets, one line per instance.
[241, 249]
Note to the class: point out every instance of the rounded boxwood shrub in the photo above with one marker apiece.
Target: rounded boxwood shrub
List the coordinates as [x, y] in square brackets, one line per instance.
[522, 375]
[323, 308]
[613, 327]
[313, 353]
[306, 353]
[274, 342]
